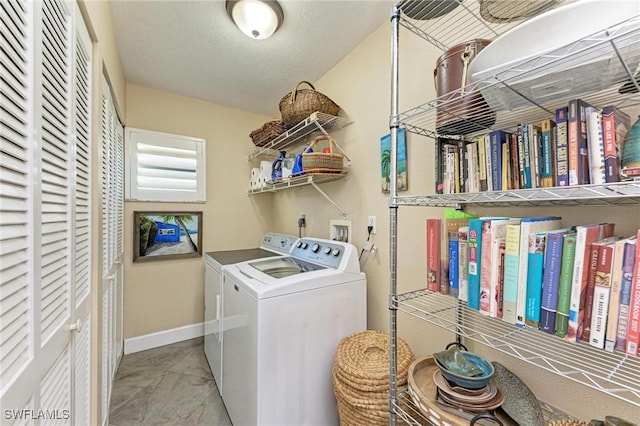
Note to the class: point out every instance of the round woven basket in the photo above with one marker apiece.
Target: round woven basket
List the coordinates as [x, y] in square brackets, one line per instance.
[301, 103]
[361, 377]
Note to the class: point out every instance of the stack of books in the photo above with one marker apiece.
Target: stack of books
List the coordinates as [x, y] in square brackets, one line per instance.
[580, 283]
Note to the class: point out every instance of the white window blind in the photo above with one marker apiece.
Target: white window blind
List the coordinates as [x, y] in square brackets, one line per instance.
[164, 167]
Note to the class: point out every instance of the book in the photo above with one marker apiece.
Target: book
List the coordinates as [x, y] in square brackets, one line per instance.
[548, 153]
[475, 252]
[585, 236]
[601, 293]
[577, 143]
[482, 164]
[564, 284]
[614, 296]
[514, 161]
[537, 244]
[585, 332]
[453, 220]
[595, 142]
[488, 272]
[463, 262]
[489, 163]
[472, 158]
[511, 266]
[454, 279]
[496, 140]
[529, 226]
[506, 171]
[496, 277]
[562, 154]
[528, 175]
[628, 264]
[433, 254]
[535, 154]
[463, 166]
[633, 327]
[524, 183]
[500, 284]
[550, 280]
[615, 125]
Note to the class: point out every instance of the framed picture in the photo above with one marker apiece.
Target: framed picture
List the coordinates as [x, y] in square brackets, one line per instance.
[166, 235]
[385, 161]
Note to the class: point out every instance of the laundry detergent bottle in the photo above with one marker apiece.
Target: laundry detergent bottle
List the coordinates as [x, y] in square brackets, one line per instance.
[276, 167]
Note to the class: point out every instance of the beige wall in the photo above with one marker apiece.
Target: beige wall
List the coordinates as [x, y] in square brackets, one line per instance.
[168, 294]
[361, 85]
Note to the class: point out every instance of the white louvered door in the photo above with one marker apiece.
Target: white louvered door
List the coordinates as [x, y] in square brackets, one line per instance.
[112, 242]
[44, 213]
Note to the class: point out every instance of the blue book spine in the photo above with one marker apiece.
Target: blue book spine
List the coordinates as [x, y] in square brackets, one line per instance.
[550, 281]
[454, 275]
[625, 294]
[475, 245]
[527, 156]
[496, 139]
[534, 278]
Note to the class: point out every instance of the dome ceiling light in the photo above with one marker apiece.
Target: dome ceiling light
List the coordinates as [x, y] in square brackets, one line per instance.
[258, 19]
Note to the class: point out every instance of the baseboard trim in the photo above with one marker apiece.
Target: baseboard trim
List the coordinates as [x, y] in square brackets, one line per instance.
[161, 338]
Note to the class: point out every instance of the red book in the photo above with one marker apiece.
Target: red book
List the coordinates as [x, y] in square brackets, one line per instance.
[591, 283]
[433, 254]
[577, 143]
[633, 328]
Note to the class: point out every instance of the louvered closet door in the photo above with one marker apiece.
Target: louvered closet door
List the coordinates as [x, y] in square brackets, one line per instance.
[44, 215]
[112, 242]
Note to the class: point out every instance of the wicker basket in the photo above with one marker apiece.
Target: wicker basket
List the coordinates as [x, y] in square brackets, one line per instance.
[361, 377]
[322, 162]
[301, 103]
[268, 132]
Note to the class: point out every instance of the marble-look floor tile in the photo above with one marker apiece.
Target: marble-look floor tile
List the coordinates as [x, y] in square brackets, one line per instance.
[170, 385]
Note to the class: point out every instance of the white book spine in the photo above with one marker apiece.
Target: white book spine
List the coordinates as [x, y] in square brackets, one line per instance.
[595, 142]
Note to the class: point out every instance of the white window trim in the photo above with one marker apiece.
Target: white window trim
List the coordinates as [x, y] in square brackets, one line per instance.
[133, 192]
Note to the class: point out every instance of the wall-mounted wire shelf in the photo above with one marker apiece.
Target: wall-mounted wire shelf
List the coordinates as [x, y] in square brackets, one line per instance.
[298, 181]
[618, 194]
[615, 373]
[407, 410]
[316, 124]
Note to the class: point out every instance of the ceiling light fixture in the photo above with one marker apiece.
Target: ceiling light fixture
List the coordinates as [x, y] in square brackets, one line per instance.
[258, 19]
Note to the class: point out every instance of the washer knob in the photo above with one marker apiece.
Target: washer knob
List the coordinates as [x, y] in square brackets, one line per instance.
[327, 250]
[335, 252]
[304, 246]
[315, 247]
[299, 244]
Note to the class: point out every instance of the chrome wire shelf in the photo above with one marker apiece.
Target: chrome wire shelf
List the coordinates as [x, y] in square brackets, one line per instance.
[618, 194]
[600, 69]
[614, 373]
[309, 179]
[314, 125]
[411, 414]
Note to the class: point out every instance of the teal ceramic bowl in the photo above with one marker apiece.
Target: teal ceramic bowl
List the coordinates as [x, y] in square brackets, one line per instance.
[475, 382]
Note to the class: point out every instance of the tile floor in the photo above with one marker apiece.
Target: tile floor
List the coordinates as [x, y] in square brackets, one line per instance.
[170, 385]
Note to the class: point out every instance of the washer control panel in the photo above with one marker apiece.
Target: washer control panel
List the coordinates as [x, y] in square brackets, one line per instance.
[323, 252]
[281, 243]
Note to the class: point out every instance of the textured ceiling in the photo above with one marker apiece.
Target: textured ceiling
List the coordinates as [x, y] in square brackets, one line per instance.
[193, 49]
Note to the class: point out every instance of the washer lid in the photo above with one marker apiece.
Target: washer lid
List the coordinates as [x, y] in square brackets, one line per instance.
[283, 267]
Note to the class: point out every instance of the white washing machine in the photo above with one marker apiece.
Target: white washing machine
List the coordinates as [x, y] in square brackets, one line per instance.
[283, 320]
[215, 262]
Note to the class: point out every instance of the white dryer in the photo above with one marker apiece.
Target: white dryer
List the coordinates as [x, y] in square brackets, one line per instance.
[283, 320]
[272, 244]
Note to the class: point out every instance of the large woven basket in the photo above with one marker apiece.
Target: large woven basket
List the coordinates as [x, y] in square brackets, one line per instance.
[314, 160]
[361, 377]
[301, 103]
[267, 132]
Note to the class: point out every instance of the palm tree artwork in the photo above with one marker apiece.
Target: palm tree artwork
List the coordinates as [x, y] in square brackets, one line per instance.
[385, 161]
[168, 235]
[181, 221]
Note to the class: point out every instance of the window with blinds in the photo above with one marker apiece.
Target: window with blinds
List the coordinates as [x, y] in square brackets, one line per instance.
[164, 167]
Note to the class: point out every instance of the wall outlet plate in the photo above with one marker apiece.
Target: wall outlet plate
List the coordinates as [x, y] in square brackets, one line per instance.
[371, 222]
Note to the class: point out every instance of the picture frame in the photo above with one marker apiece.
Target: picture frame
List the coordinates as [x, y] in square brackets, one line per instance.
[175, 235]
[385, 161]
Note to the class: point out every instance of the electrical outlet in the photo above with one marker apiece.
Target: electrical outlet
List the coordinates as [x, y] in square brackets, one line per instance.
[302, 221]
[372, 223]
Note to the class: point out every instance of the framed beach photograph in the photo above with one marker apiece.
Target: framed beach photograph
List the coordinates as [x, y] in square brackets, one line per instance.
[166, 235]
[385, 161]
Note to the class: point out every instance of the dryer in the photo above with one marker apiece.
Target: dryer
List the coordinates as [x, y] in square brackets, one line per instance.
[272, 244]
[283, 320]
